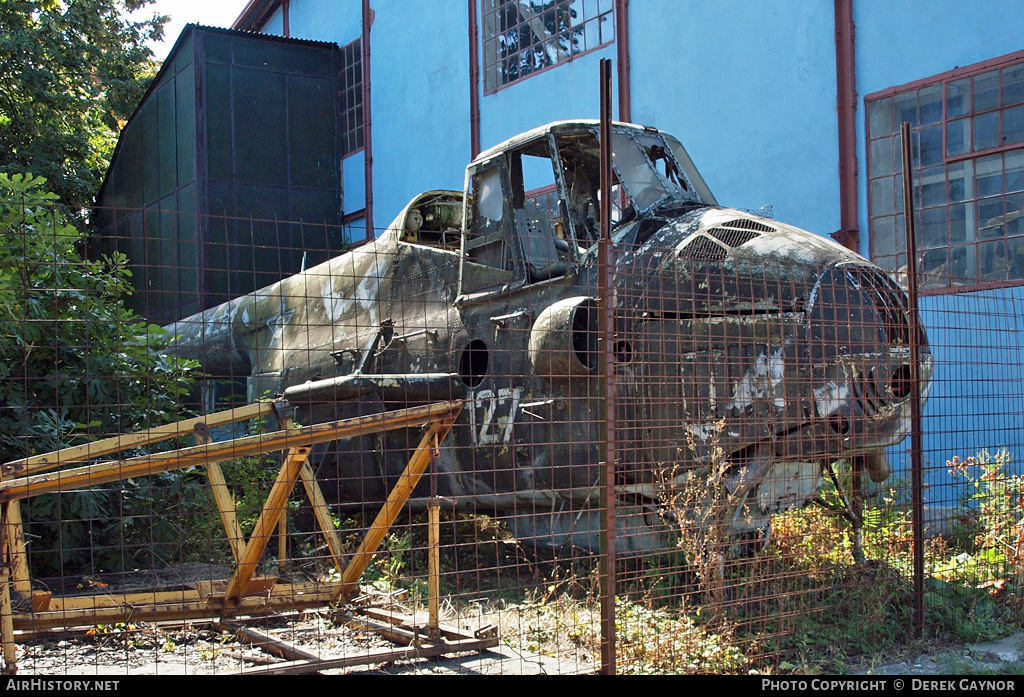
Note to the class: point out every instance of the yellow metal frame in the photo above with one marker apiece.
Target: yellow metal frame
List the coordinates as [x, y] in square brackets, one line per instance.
[25, 610]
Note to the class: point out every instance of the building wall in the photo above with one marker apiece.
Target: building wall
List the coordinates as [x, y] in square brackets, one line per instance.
[323, 20]
[566, 91]
[419, 94]
[976, 401]
[930, 37]
[977, 335]
[420, 97]
[750, 91]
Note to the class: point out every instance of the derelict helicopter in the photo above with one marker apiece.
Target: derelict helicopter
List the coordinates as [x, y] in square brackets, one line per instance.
[736, 333]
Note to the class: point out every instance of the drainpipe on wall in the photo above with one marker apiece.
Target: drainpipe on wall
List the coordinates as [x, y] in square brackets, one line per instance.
[474, 83]
[622, 55]
[848, 234]
[367, 149]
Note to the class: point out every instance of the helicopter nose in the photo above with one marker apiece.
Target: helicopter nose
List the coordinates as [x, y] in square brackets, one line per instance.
[858, 320]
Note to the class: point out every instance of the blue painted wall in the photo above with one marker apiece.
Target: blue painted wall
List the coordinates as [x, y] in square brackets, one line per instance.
[354, 182]
[325, 20]
[420, 95]
[977, 395]
[275, 25]
[929, 37]
[419, 66]
[750, 90]
[566, 91]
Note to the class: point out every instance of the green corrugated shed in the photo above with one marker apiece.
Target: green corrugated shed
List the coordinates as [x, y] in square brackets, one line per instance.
[228, 173]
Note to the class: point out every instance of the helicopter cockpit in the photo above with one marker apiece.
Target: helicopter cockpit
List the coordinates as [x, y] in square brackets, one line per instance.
[534, 205]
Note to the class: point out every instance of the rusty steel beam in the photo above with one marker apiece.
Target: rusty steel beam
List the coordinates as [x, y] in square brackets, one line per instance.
[367, 20]
[916, 428]
[199, 455]
[848, 234]
[126, 441]
[606, 329]
[622, 58]
[474, 81]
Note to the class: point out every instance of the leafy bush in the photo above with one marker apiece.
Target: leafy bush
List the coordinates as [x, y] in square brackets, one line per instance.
[991, 522]
[75, 365]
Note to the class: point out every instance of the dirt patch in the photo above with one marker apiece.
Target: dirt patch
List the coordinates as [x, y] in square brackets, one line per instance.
[148, 649]
[1003, 656]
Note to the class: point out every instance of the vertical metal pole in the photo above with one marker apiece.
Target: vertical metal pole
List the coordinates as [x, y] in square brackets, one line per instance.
[434, 568]
[916, 464]
[367, 20]
[622, 56]
[848, 234]
[474, 83]
[282, 542]
[606, 410]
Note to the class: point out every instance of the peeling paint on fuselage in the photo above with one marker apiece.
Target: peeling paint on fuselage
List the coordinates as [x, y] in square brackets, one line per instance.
[733, 346]
[762, 382]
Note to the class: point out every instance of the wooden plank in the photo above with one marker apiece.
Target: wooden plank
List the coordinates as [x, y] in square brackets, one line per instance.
[93, 602]
[207, 591]
[259, 586]
[10, 649]
[177, 610]
[226, 508]
[273, 508]
[322, 512]
[14, 544]
[267, 642]
[200, 455]
[126, 441]
[434, 566]
[392, 506]
[303, 588]
[374, 656]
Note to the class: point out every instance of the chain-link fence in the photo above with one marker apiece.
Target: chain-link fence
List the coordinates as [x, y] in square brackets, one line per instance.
[225, 458]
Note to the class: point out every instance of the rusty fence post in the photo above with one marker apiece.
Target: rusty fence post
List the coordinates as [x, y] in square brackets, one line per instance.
[916, 464]
[606, 330]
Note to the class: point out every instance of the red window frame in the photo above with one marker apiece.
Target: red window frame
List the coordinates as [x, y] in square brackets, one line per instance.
[513, 51]
[968, 194]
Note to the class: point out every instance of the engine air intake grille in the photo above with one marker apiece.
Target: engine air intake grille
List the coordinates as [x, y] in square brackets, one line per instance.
[748, 224]
[703, 249]
[733, 238]
[890, 301]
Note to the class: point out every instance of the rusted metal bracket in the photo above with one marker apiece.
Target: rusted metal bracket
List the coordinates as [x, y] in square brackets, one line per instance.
[243, 593]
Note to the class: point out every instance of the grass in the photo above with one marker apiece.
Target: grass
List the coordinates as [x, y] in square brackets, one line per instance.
[801, 605]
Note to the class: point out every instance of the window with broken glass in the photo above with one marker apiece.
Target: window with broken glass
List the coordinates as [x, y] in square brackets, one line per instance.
[523, 37]
[351, 109]
[967, 130]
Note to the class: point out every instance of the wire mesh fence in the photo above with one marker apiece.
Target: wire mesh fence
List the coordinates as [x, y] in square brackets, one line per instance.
[395, 454]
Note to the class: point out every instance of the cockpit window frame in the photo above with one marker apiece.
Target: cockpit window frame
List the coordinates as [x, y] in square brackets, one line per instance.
[689, 195]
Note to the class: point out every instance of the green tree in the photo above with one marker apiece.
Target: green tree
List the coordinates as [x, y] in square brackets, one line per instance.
[71, 73]
[75, 365]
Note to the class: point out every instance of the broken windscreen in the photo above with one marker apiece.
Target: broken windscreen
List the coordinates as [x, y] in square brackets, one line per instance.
[649, 170]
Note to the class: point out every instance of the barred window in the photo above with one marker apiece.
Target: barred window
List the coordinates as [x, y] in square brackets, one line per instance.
[350, 120]
[967, 128]
[522, 37]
